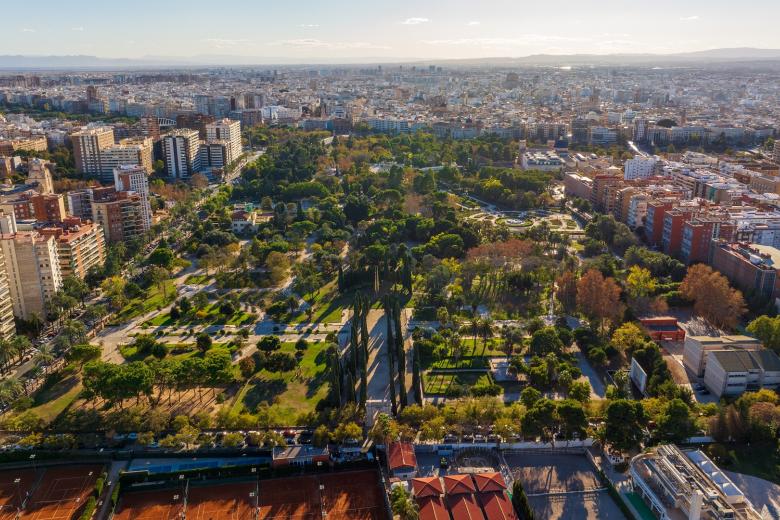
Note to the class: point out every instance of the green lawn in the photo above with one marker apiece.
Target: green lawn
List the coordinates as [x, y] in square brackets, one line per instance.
[440, 383]
[154, 298]
[451, 363]
[198, 279]
[640, 506]
[288, 394]
[52, 401]
[212, 316]
[327, 306]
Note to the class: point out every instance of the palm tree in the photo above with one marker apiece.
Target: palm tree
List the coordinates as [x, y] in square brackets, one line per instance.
[44, 356]
[6, 354]
[486, 329]
[20, 345]
[10, 389]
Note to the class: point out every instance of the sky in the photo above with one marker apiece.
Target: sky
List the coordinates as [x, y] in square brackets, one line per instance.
[397, 29]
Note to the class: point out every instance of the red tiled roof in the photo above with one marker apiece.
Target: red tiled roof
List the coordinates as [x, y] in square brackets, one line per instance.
[457, 484]
[497, 506]
[427, 486]
[432, 508]
[489, 482]
[464, 507]
[401, 455]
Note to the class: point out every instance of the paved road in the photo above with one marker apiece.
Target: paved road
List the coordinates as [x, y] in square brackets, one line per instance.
[597, 388]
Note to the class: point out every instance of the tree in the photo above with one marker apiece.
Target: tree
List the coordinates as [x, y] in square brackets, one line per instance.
[566, 290]
[640, 283]
[714, 299]
[599, 298]
[269, 344]
[247, 367]
[162, 257]
[625, 420]
[628, 337]
[83, 353]
[403, 504]
[203, 342]
[580, 391]
[571, 419]
[347, 431]
[278, 266]
[520, 502]
[767, 330]
[545, 341]
[675, 423]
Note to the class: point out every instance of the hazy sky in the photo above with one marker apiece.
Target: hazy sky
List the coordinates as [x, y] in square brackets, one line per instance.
[298, 29]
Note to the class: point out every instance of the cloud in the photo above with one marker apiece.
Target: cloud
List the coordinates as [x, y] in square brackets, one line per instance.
[415, 21]
[473, 23]
[77, 29]
[224, 43]
[308, 25]
[689, 18]
[314, 43]
[27, 30]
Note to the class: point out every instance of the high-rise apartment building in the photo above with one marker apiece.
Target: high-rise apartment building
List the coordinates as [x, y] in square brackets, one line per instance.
[135, 179]
[131, 151]
[7, 326]
[87, 147]
[80, 246]
[226, 130]
[80, 203]
[49, 208]
[33, 271]
[121, 217]
[180, 150]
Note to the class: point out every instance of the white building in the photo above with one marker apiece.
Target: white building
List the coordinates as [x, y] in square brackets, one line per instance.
[136, 179]
[640, 167]
[229, 131]
[180, 149]
[732, 372]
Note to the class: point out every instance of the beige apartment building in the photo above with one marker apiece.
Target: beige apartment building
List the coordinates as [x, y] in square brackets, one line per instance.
[7, 326]
[87, 147]
[133, 151]
[33, 270]
[80, 246]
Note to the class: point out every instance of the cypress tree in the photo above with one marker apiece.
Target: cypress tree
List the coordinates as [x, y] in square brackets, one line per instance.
[400, 353]
[390, 346]
[416, 382]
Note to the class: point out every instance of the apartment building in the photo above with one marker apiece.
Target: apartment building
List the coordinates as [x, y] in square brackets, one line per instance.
[80, 203]
[135, 179]
[28, 144]
[87, 147]
[752, 268]
[640, 167]
[546, 161]
[33, 271]
[229, 132]
[7, 325]
[49, 208]
[181, 153]
[80, 246]
[135, 151]
[121, 217]
[698, 234]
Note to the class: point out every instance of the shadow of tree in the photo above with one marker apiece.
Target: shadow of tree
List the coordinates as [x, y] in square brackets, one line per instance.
[265, 391]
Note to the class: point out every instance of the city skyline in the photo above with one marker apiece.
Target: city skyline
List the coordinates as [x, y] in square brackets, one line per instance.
[405, 30]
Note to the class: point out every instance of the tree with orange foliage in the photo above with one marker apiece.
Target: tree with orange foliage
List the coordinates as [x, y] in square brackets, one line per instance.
[714, 299]
[566, 290]
[598, 298]
[500, 253]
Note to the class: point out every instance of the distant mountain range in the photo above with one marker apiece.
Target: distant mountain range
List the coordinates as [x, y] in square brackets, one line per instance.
[84, 62]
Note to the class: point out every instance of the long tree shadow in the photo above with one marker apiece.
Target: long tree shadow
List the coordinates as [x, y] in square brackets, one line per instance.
[264, 391]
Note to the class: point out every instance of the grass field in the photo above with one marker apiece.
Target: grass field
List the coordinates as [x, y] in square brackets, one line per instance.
[154, 298]
[198, 279]
[327, 306]
[211, 315]
[288, 394]
[52, 400]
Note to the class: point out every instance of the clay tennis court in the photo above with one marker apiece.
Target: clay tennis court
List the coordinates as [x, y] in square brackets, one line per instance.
[61, 493]
[224, 502]
[290, 499]
[151, 505]
[351, 496]
[12, 493]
